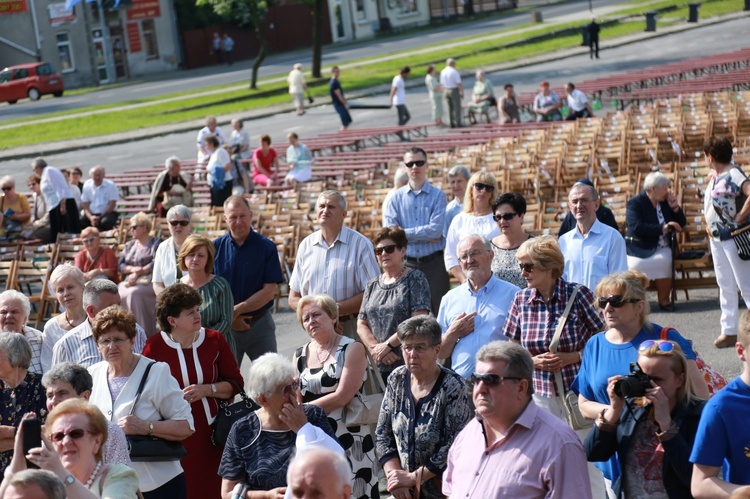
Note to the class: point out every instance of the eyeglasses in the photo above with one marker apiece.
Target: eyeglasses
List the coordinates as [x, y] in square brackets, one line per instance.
[420, 349]
[289, 389]
[490, 379]
[108, 343]
[390, 248]
[7, 188]
[471, 255]
[90, 239]
[504, 216]
[526, 267]
[665, 346]
[415, 163]
[72, 434]
[181, 223]
[615, 301]
[484, 187]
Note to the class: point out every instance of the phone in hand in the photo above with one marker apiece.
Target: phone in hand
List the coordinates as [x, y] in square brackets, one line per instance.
[32, 437]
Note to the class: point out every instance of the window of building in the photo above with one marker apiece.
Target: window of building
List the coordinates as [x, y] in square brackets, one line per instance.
[149, 39]
[361, 11]
[403, 6]
[64, 53]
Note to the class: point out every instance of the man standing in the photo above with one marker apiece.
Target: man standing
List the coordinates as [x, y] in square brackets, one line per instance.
[473, 314]
[338, 99]
[513, 448]
[603, 214]
[450, 79]
[99, 200]
[398, 96]
[211, 128]
[227, 45]
[578, 104]
[458, 176]
[336, 261]
[593, 250]
[250, 264]
[593, 30]
[547, 104]
[419, 208]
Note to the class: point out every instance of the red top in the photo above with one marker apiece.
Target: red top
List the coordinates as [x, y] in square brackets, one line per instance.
[265, 161]
[106, 260]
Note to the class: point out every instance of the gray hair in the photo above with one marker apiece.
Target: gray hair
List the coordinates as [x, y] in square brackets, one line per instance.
[333, 194]
[68, 372]
[8, 179]
[298, 66]
[170, 161]
[39, 163]
[341, 468]
[17, 348]
[12, 294]
[211, 119]
[97, 168]
[459, 170]
[267, 372]
[400, 178]
[423, 326]
[450, 61]
[517, 360]
[95, 288]
[64, 271]
[591, 188]
[180, 211]
[51, 485]
[655, 180]
[484, 240]
[480, 72]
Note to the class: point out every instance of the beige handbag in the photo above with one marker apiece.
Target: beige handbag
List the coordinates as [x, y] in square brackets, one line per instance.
[364, 408]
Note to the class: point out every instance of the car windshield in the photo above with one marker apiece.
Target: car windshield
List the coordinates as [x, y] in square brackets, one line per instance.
[45, 69]
[4, 76]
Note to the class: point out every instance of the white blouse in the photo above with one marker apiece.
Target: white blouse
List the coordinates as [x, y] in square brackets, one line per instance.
[463, 225]
[165, 264]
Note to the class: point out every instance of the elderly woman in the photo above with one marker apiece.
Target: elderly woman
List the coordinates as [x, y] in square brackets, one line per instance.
[424, 408]
[239, 142]
[136, 265]
[652, 217]
[509, 209]
[482, 96]
[161, 411]
[261, 445]
[475, 219]
[622, 297]
[458, 177]
[660, 422]
[331, 371]
[171, 188]
[166, 268]
[94, 260]
[59, 201]
[14, 313]
[507, 106]
[196, 259]
[39, 228]
[435, 91]
[219, 170]
[21, 390]
[204, 367]
[389, 299]
[297, 87]
[67, 283]
[15, 211]
[265, 163]
[299, 159]
[73, 440]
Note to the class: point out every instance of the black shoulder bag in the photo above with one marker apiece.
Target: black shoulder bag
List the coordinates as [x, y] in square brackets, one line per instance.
[229, 413]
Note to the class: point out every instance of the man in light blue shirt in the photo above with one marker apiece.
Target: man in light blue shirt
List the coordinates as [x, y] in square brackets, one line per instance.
[473, 314]
[593, 250]
[458, 176]
[419, 208]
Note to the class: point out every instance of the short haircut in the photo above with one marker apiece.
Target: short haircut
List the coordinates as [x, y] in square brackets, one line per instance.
[76, 170]
[68, 372]
[267, 372]
[13, 295]
[39, 163]
[211, 139]
[743, 333]
[95, 288]
[401, 177]
[34, 178]
[341, 468]
[450, 61]
[192, 244]
[514, 199]
[97, 421]
[459, 170]
[468, 237]
[292, 135]
[517, 359]
[8, 180]
[170, 161]
[114, 317]
[417, 150]
[173, 301]
[507, 86]
[141, 219]
[325, 302]
[16, 347]
[238, 200]
[655, 180]
[405, 70]
[335, 68]
[586, 185]
[544, 84]
[631, 285]
[298, 66]
[210, 119]
[52, 487]
[720, 148]
[544, 252]
[430, 68]
[570, 86]
[480, 72]
[97, 168]
[89, 231]
[179, 211]
[266, 138]
[394, 233]
[238, 121]
[331, 194]
[65, 271]
[420, 326]
[482, 178]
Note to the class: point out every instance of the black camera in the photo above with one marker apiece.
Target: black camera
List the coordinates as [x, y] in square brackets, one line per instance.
[634, 384]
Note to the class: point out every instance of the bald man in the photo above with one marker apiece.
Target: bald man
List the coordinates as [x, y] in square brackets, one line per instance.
[318, 472]
[99, 200]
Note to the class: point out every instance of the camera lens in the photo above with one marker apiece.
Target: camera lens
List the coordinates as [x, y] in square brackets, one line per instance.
[631, 386]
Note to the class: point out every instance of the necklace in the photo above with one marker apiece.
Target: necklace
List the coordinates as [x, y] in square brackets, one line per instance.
[327, 350]
[91, 479]
[68, 320]
[395, 279]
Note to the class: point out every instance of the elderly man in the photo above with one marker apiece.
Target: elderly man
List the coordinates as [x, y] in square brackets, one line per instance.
[419, 208]
[59, 200]
[33, 484]
[593, 250]
[450, 79]
[319, 472]
[250, 264]
[473, 314]
[578, 104]
[99, 200]
[458, 176]
[211, 128]
[78, 345]
[603, 214]
[547, 104]
[513, 448]
[336, 261]
[14, 313]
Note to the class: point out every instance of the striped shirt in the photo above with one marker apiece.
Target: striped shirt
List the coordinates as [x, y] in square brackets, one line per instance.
[78, 346]
[422, 216]
[35, 338]
[340, 271]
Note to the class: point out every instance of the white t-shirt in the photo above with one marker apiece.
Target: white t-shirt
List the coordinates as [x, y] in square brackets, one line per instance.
[205, 132]
[577, 100]
[399, 98]
[450, 78]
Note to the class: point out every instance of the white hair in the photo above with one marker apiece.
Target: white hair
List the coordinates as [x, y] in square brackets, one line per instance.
[170, 161]
[400, 178]
[341, 468]
[480, 237]
[267, 372]
[655, 180]
[331, 194]
[67, 270]
[12, 294]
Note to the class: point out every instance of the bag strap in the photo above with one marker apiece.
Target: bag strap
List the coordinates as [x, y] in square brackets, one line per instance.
[248, 402]
[374, 373]
[556, 338]
[140, 387]
[418, 488]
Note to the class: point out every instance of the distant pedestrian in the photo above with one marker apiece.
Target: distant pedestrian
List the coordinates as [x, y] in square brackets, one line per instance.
[297, 87]
[216, 48]
[227, 46]
[338, 99]
[593, 31]
[398, 95]
[450, 79]
[435, 89]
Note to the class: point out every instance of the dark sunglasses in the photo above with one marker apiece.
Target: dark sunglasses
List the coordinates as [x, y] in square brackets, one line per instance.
[388, 249]
[415, 163]
[504, 216]
[484, 187]
[615, 301]
[6, 189]
[490, 379]
[73, 434]
[89, 239]
[175, 223]
[526, 267]
[663, 345]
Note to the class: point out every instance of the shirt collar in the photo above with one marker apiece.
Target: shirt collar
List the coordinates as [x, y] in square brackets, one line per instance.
[488, 286]
[535, 295]
[343, 237]
[425, 188]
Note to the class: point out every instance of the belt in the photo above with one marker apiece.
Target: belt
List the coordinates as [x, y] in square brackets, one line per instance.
[425, 259]
[255, 316]
[347, 317]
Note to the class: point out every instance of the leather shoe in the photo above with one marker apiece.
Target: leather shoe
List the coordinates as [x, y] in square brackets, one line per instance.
[725, 341]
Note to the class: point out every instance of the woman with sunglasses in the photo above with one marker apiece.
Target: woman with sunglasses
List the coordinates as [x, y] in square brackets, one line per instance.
[166, 269]
[509, 209]
[389, 299]
[622, 298]
[331, 371]
[652, 432]
[476, 218]
[73, 438]
[94, 260]
[15, 211]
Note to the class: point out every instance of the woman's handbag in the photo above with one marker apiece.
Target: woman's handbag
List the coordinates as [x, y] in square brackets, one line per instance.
[229, 413]
[364, 408]
[714, 380]
[144, 448]
[572, 413]
[741, 238]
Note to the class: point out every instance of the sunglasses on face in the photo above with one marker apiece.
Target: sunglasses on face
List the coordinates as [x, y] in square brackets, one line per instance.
[387, 249]
[73, 434]
[490, 379]
[526, 267]
[89, 239]
[663, 345]
[484, 187]
[415, 163]
[6, 189]
[615, 301]
[181, 223]
[504, 216]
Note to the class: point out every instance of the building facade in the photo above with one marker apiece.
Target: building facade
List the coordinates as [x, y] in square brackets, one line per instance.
[362, 19]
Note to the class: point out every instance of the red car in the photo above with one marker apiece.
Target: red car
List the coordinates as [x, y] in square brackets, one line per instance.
[29, 80]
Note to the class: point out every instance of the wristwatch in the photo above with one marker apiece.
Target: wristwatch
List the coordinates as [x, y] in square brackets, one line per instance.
[213, 389]
[150, 428]
[69, 480]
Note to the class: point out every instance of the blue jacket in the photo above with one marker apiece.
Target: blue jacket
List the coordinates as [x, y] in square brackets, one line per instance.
[644, 229]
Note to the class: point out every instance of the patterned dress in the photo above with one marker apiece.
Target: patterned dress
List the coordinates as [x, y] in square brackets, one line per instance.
[505, 265]
[357, 441]
[29, 396]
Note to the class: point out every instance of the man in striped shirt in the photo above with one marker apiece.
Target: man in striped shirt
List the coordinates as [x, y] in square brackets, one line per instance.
[336, 261]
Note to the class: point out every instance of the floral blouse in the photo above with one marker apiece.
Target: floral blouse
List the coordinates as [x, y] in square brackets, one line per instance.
[505, 266]
[29, 396]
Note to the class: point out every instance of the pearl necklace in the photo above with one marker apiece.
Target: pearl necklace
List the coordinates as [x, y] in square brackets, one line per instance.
[91, 479]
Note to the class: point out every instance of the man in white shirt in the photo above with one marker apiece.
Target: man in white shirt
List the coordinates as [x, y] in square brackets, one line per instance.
[398, 96]
[450, 79]
[99, 200]
[578, 104]
[211, 128]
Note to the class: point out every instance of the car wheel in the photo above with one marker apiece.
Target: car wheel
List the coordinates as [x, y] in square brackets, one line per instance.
[34, 94]
[12, 101]
[58, 94]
